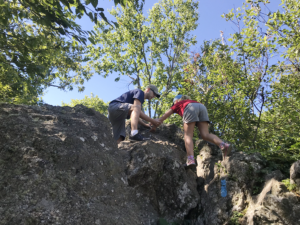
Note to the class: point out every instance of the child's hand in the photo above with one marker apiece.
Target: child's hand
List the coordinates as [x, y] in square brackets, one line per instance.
[157, 122]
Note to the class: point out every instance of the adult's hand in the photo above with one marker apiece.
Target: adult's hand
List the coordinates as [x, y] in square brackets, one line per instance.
[147, 125]
[153, 129]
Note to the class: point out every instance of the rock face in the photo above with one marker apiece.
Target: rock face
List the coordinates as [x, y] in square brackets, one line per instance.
[295, 174]
[254, 194]
[155, 171]
[60, 165]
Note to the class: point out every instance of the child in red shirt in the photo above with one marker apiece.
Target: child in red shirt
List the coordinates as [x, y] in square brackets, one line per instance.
[194, 113]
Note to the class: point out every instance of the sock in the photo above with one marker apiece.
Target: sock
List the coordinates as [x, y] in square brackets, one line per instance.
[191, 157]
[134, 132]
[222, 145]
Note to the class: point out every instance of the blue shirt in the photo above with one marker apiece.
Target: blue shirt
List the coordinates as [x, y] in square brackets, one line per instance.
[128, 97]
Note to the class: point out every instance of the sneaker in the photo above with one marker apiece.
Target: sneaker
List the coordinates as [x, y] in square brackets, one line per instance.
[226, 150]
[190, 163]
[138, 137]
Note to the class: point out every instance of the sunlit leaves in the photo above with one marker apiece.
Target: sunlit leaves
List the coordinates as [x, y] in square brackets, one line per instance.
[40, 46]
[93, 102]
[265, 35]
[148, 50]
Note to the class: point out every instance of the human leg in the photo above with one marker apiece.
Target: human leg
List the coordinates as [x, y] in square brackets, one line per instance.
[188, 137]
[134, 116]
[203, 129]
[120, 140]
[117, 113]
[189, 145]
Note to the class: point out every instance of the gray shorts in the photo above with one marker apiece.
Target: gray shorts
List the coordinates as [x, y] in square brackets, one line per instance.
[195, 112]
[117, 114]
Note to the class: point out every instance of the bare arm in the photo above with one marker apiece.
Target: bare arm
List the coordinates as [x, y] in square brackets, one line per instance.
[166, 115]
[142, 123]
[155, 122]
[161, 119]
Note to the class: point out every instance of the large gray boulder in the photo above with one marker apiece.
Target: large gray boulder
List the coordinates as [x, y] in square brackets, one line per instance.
[59, 165]
[155, 169]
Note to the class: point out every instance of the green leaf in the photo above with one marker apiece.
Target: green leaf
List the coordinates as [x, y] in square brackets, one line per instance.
[92, 40]
[91, 16]
[94, 3]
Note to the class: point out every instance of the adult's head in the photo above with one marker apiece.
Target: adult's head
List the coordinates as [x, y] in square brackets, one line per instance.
[151, 92]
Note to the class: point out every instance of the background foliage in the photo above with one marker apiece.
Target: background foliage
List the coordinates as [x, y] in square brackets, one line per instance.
[249, 83]
[150, 50]
[42, 46]
[91, 102]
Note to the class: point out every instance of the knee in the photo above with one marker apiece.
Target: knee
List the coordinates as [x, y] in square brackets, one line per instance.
[205, 136]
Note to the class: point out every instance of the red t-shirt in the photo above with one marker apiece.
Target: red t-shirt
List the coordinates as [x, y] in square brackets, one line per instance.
[180, 106]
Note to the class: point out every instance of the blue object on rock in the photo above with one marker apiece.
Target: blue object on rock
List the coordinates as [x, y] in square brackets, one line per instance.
[223, 188]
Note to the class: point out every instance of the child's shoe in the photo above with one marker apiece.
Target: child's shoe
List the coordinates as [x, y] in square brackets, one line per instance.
[226, 149]
[190, 163]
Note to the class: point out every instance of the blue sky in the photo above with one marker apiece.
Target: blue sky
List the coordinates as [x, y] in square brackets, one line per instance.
[210, 24]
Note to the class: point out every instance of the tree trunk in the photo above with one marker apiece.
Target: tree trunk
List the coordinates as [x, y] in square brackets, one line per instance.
[149, 108]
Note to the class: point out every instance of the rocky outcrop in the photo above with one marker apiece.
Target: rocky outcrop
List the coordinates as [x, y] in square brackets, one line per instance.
[166, 132]
[295, 174]
[155, 171]
[60, 165]
[255, 194]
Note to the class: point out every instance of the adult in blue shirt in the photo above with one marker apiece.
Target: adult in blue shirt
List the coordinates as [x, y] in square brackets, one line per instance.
[129, 105]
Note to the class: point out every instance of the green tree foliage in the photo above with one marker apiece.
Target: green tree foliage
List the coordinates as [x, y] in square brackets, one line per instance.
[150, 50]
[40, 46]
[91, 102]
[229, 90]
[251, 85]
[281, 126]
[57, 15]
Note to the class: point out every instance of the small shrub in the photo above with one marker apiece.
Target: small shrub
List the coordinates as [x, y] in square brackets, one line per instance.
[290, 187]
[235, 218]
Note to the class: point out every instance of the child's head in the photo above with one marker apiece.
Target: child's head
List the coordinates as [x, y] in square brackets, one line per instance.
[185, 97]
[180, 98]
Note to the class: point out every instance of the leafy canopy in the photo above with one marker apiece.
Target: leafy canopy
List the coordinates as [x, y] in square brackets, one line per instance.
[41, 46]
[150, 50]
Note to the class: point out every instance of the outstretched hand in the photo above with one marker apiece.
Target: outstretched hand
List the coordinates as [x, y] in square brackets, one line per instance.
[156, 122]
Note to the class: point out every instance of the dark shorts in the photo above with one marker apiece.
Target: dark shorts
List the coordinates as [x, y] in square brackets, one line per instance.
[195, 112]
[117, 114]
